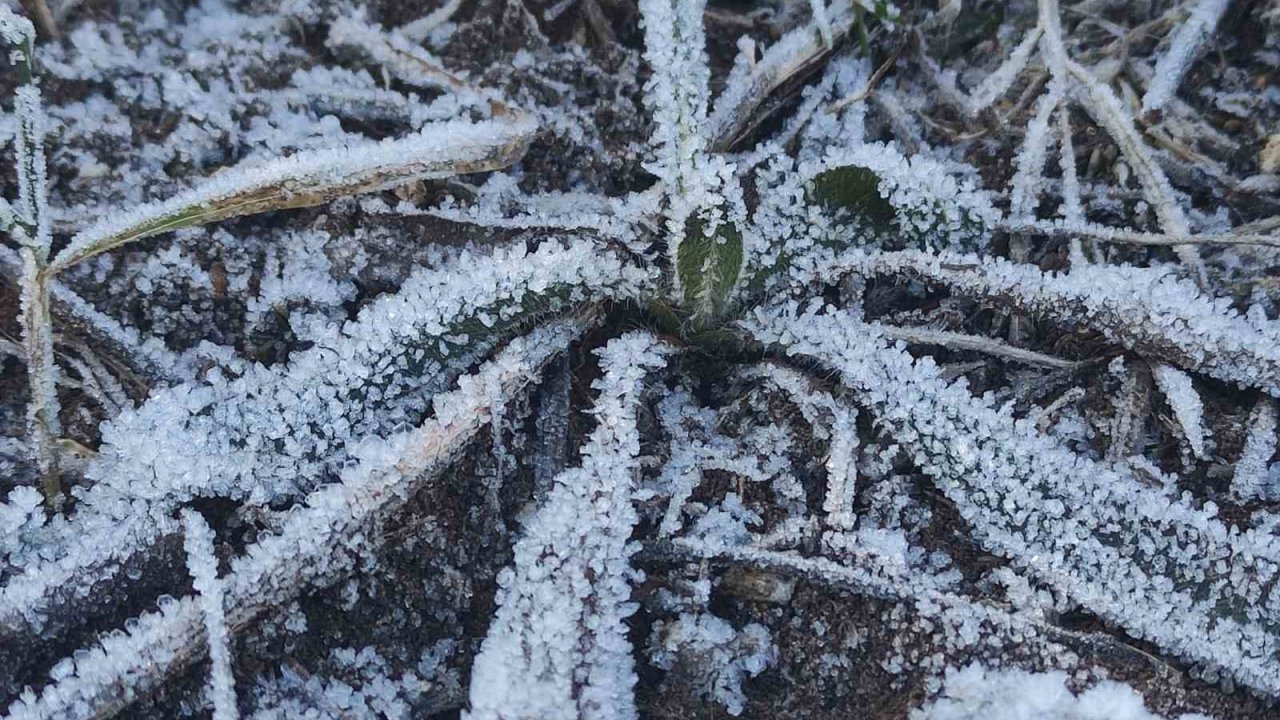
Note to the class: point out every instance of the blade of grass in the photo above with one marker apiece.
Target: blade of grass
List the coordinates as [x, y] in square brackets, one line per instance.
[312, 178]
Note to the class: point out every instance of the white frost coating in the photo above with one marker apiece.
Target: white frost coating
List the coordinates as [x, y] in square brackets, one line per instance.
[438, 150]
[1187, 42]
[1164, 569]
[721, 656]
[557, 648]
[1024, 195]
[840, 430]
[317, 544]
[275, 432]
[993, 694]
[675, 48]
[1147, 310]
[202, 563]
[999, 81]
[1252, 479]
[148, 352]
[1185, 401]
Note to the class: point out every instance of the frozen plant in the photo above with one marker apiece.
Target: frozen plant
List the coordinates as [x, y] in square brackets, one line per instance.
[768, 331]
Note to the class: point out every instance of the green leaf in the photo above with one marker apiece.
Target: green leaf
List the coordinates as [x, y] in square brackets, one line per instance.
[852, 188]
[708, 266]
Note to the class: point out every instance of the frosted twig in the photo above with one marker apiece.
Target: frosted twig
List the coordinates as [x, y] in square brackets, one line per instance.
[310, 178]
[1187, 42]
[1072, 208]
[419, 29]
[1024, 194]
[316, 546]
[867, 571]
[1103, 233]
[404, 59]
[1106, 109]
[1000, 80]
[974, 343]
[202, 563]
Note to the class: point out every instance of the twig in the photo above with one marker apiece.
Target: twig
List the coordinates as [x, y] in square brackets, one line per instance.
[988, 346]
[872, 82]
[39, 11]
[1107, 234]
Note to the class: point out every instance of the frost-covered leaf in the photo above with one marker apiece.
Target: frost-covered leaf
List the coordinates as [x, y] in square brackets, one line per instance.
[311, 178]
[557, 649]
[709, 262]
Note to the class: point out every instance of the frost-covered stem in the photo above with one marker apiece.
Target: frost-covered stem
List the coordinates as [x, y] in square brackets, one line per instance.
[974, 343]
[419, 29]
[1163, 568]
[1103, 233]
[202, 563]
[1184, 48]
[1147, 310]
[1107, 110]
[1024, 195]
[557, 648]
[867, 571]
[317, 545]
[1252, 479]
[1072, 207]
[1000, 80]
[29, 226]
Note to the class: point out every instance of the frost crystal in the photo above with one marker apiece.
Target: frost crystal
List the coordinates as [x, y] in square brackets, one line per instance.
[979, 692]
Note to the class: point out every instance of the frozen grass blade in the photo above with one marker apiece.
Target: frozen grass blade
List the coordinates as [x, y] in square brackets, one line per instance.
[28, 225]
[202, 563]
[310, 178]
[1147, 310]
[1184, 48]
[557, 648]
